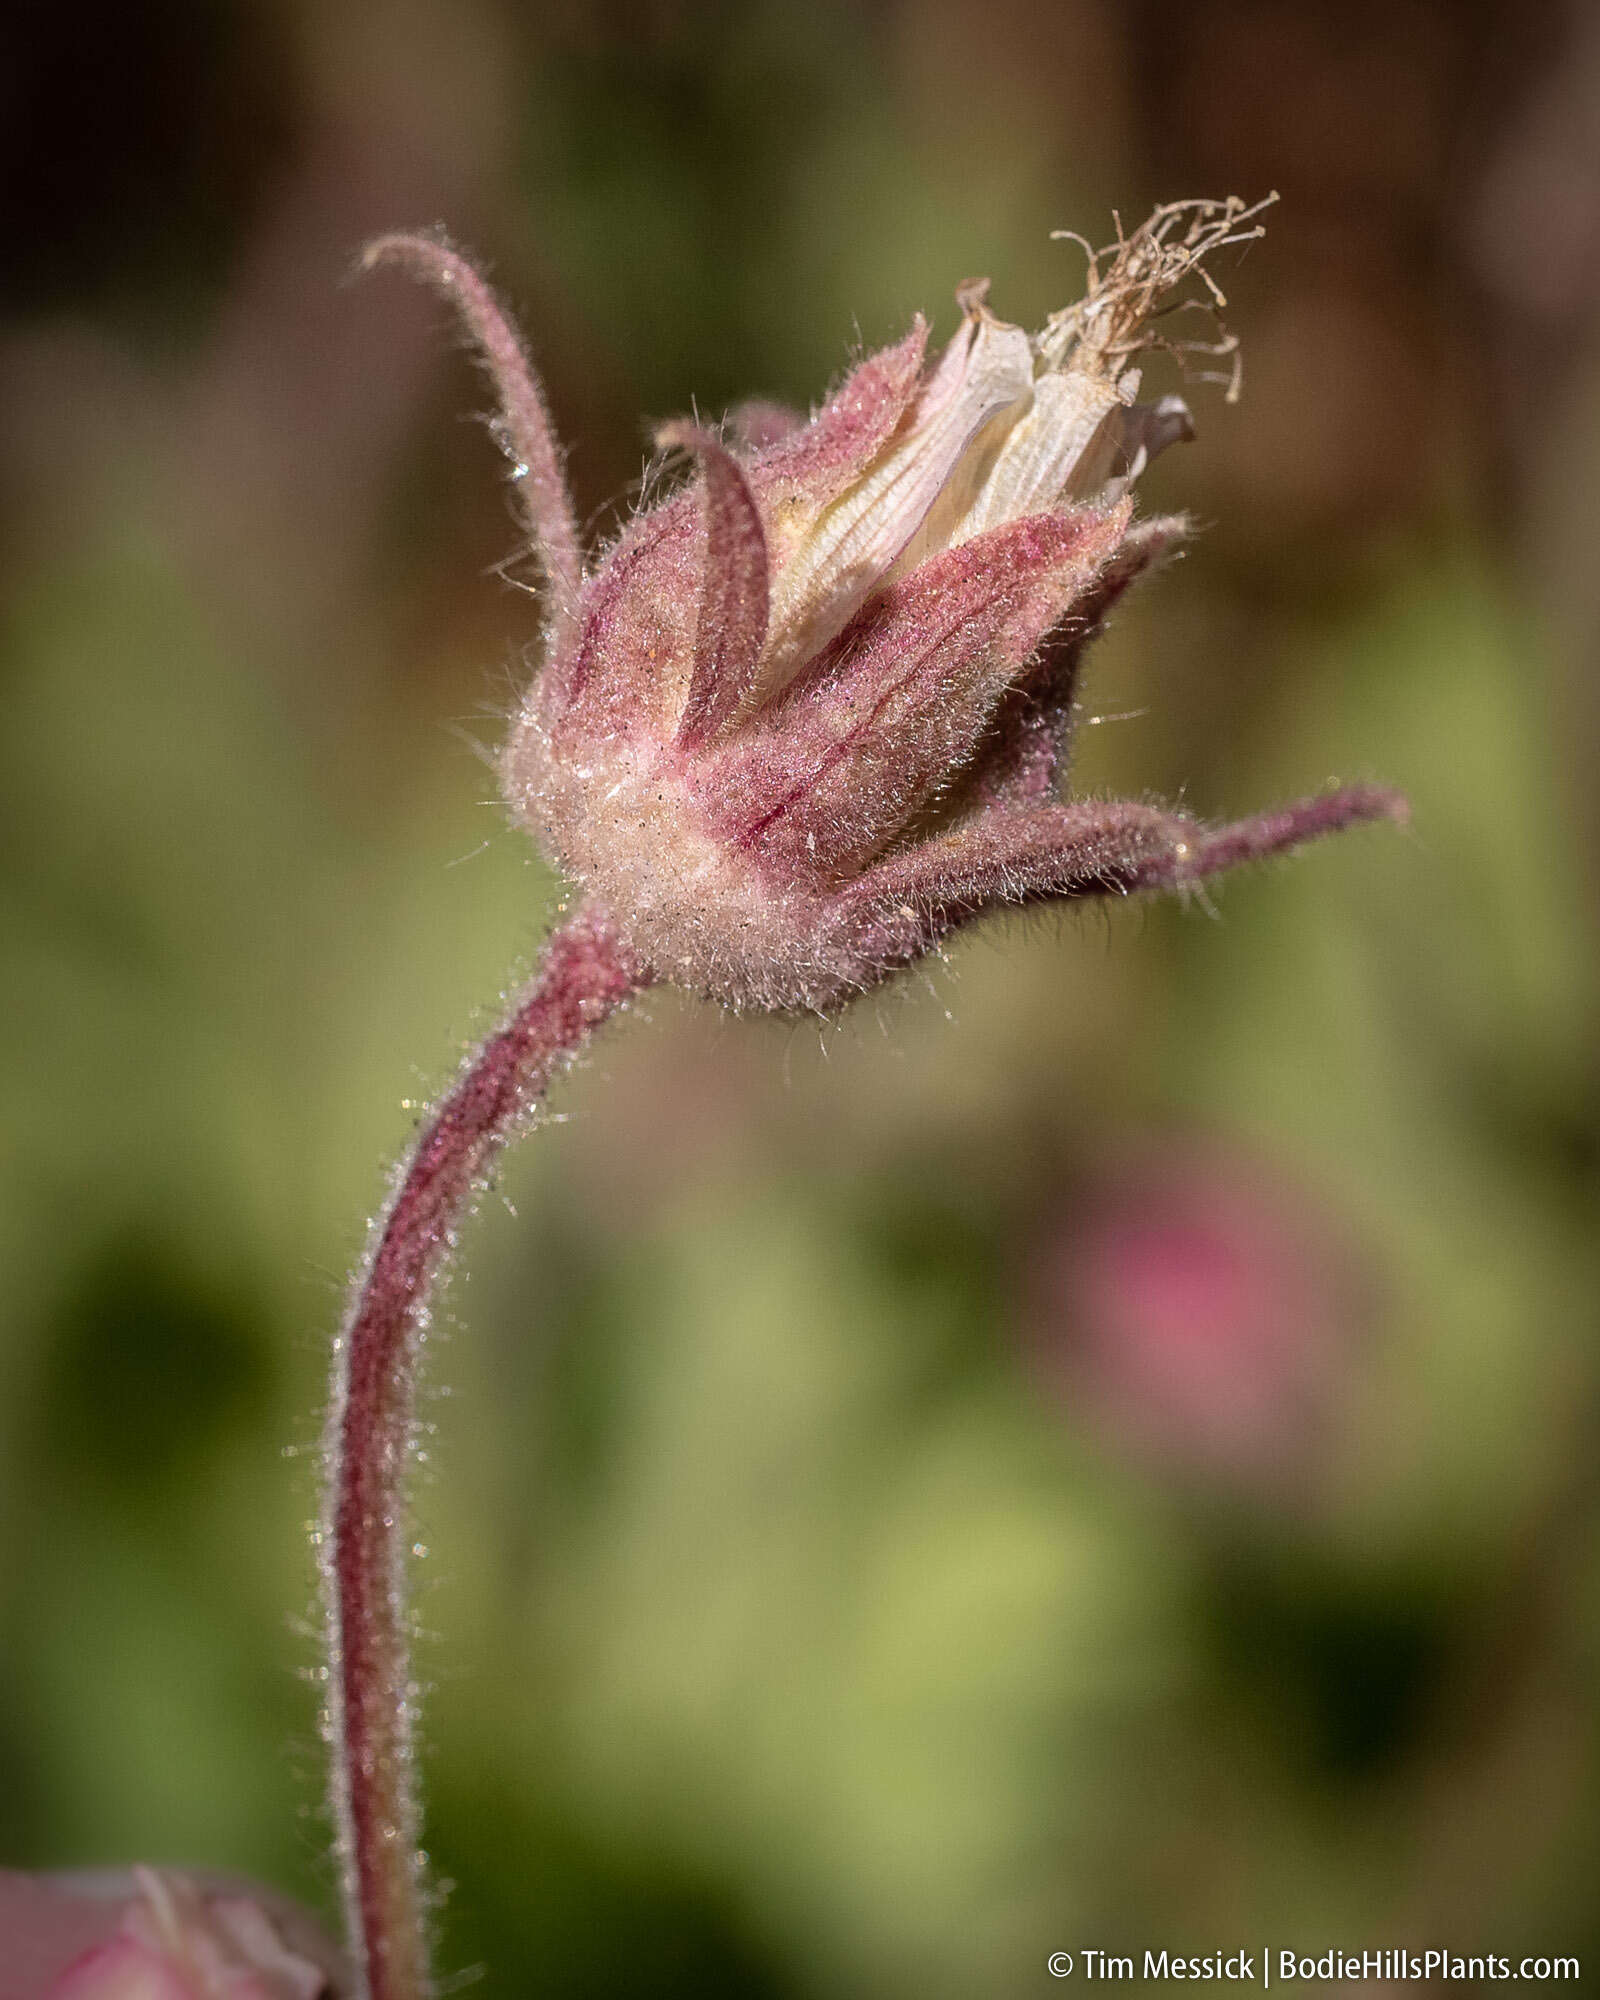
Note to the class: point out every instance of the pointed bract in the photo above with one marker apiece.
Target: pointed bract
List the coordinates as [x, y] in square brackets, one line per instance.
[627, 671]
[879, 722]
[731, 617]
[1030, 733]
[817, 460]
[901, 909]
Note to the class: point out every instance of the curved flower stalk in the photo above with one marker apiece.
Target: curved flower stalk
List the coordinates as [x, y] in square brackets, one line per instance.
[801, 720]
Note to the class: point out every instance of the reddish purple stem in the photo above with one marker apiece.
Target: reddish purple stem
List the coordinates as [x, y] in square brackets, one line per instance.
[585, 977]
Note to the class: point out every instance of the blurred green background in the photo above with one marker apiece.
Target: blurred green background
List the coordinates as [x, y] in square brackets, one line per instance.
[1099, 1448]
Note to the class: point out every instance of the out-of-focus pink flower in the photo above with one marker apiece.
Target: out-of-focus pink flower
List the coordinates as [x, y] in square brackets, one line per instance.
[1206, 1309]
[154, 1936]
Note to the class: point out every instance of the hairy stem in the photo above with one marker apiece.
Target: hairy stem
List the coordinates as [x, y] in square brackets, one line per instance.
[585, 976]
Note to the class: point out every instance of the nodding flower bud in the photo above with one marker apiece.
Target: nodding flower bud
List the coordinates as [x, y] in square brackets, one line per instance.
[807, 714]
[800, 720]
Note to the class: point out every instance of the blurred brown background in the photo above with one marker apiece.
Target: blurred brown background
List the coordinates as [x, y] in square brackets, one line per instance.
[1098, 1449]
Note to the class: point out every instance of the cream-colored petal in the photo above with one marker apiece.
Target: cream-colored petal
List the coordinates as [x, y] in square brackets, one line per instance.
[1035, 466]
[984, 378]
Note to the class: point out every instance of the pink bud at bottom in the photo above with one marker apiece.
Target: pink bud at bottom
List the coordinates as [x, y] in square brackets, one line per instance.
[150, 1936]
